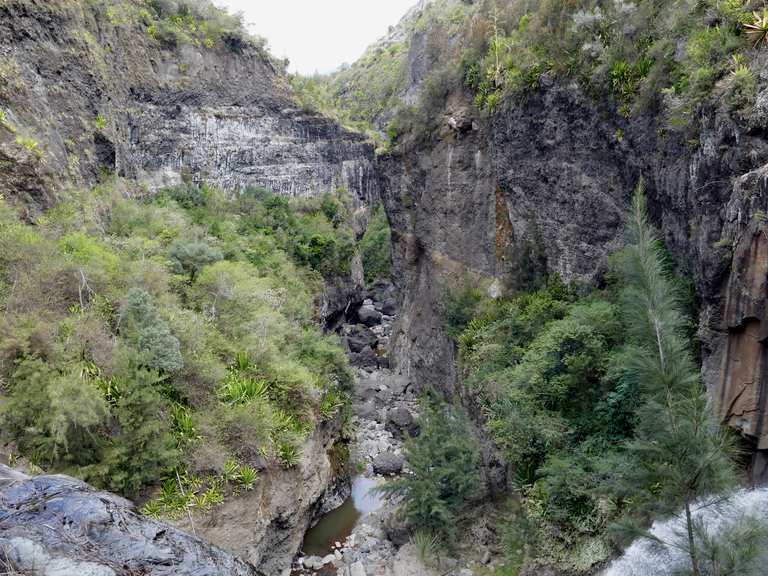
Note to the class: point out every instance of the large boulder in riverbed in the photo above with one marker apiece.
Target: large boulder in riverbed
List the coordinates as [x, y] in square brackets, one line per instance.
[369, 316]
[388, 463]
[366, 358]
[389, 307]
[401, 423]
[381, 291]
[359, 337]
[57, 525]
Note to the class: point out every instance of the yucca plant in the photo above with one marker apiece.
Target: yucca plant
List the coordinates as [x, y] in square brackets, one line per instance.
[213, 496]
[288, 454]
[184, 425]
[238, 389]
[231, 470]
[247, 477]
[242, 361]
[426, 544]
[331, 403]
[757, 27]
[153, 509]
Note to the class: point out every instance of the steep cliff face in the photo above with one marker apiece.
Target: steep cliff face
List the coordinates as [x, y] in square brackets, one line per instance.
[86, 89]
[266, 526]
[543, 186]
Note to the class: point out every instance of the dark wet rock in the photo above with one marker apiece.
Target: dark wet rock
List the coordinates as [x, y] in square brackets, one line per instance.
[369, 316]
[366, 358]
[56, 525]
[401, 423]
[388, 463]
[381, 291]
[397, 531]
[389, 307]
[360, 337]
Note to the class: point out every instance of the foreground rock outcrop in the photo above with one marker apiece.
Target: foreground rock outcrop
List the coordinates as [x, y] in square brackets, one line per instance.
[58, 526]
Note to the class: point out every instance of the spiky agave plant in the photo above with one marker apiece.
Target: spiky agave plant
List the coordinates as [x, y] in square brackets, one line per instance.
[757, 27]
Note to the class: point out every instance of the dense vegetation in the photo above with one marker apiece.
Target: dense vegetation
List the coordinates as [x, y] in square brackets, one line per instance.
[444, 478]
[172, 337]
[376, 246]
[675, 58]
[178, 22]
[645, 53]
[596, 404]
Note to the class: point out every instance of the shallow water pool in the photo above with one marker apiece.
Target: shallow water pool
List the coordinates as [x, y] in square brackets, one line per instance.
[338, 524]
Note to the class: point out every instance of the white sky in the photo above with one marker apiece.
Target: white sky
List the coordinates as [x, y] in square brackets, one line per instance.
[319, 35]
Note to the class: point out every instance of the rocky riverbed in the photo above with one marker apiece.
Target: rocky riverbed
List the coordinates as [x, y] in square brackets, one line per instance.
[385, 408]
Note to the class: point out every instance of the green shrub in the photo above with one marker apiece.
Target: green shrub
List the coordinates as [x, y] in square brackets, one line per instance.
[191, 256]
[458, 307]
[56, 417]
[444, 461]
[116, 371]
[144, 450]
[142, 327]
[376, 247]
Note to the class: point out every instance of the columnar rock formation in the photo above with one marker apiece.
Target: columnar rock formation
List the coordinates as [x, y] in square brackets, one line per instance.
[89, 95]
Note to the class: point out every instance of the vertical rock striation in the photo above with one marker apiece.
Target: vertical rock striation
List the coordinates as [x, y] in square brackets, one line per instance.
[96, 93]
[542, 187]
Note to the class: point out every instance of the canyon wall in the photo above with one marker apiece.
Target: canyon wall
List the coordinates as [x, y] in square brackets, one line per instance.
[87, 92]
[543, 187]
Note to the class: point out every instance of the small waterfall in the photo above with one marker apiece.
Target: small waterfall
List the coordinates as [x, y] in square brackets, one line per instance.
[647, 558]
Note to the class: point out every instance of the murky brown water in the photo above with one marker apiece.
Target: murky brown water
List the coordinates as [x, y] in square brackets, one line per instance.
[338, 524]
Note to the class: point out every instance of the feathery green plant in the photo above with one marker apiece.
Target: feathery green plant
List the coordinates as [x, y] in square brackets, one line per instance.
[679, 446]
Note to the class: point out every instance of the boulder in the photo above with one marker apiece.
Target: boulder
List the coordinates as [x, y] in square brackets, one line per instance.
[397, 531]
[388, 463]
[369, 316]
[401, 423]
[313, 562]
[360, 337]
[366, 358]
[389, 307]
[68, 527]
[357, 569]
[381, 291]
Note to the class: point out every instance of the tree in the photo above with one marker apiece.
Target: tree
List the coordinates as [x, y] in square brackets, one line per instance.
[376, 247]
[444, 469]
[56, 418]
[144, 329]
[684, 455]
[144, 449]
[191, 256]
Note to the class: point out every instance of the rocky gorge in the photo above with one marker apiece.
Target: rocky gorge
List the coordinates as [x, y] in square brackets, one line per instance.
[539, 188]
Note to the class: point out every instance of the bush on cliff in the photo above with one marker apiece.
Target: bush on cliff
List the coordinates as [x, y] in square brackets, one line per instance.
[122, 320]
[444, 463]
[376, 247]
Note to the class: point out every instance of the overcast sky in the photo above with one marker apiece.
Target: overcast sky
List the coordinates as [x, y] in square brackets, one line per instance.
[319, 35]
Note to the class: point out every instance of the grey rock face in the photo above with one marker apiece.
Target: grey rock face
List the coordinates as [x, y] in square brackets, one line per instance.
[222, 115]
[543, 187]
[56, 525]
